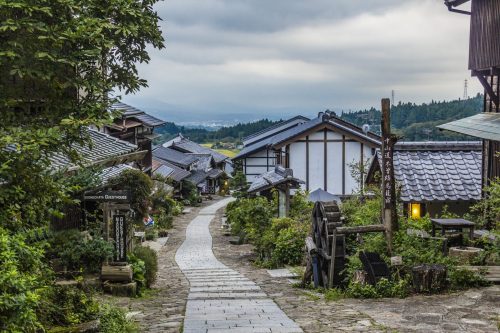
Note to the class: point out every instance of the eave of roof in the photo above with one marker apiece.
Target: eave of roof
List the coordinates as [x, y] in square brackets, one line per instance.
[270, 128]
[484, 125]
[283, 138]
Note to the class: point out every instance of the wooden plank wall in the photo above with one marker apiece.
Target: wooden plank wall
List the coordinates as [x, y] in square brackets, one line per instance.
[484, 52]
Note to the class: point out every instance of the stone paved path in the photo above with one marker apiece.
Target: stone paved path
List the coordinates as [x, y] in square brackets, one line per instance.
[221, 299]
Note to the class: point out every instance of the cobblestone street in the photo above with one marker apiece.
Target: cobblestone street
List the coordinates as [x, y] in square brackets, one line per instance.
[220, 299]
[223, 287]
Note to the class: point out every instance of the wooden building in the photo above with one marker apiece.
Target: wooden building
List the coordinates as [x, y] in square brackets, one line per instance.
[431, 175]
[320, 152]
[484, 63]
[136, 127]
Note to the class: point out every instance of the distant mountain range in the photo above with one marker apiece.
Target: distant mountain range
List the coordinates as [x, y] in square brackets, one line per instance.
[413, 122]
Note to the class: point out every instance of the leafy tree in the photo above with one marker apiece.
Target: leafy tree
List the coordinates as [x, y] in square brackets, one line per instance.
[60, 62]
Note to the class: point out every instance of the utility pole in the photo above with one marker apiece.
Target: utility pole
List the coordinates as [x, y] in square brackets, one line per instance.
[393, 94]
[466, 95]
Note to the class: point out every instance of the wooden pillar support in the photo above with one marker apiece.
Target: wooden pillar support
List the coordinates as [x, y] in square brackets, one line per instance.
[389, 214]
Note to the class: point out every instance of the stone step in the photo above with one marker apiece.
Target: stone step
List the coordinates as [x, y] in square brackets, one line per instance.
[225, 295]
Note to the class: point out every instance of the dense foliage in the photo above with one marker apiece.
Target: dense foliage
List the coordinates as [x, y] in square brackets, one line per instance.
[150, 259]
[277, 241]
[413, 250]
[79, 251]
[60, 63]
[22, 277]
[226, 134]
[418, 122]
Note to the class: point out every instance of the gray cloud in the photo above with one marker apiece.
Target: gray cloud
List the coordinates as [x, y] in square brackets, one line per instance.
[272, 58]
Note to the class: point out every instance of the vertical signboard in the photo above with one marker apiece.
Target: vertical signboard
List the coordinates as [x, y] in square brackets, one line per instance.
[120, 235]
[389, 213]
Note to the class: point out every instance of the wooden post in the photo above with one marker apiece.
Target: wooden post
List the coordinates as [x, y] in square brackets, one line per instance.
[389, 214]
[331, 273]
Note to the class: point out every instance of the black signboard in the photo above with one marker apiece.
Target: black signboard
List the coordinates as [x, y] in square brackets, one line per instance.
[120, 236]
[108, 196]
[388, 172]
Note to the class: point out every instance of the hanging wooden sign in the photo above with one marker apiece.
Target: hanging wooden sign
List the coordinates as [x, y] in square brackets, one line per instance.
[108, 196]
[120, 236]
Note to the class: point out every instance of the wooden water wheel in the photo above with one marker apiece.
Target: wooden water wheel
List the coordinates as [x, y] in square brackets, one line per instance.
[326, 218]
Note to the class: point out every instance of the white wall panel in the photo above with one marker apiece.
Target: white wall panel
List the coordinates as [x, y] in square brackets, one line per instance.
[320, 135]
[316, 165]
[352, 154]
[298, 160]
[334, 160]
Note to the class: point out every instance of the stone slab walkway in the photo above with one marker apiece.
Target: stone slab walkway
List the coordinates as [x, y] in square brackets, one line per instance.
[221, 299]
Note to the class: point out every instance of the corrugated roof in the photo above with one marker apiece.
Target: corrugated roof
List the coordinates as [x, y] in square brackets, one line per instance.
[273, 178]
[304, 127]
[484, 125]
[103, 147]
[174, 156]
[437, 174]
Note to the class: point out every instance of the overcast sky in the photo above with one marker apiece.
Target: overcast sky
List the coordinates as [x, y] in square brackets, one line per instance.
[248, 59]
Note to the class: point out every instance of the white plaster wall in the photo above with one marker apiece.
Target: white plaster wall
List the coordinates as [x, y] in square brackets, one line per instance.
[334, 160]
[352, 154]
[317, 136]
[316, 165]
[333, 135]
[298, 160]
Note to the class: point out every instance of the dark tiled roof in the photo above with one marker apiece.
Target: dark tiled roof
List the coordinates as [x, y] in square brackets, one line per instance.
[106, 174]
[439, 145]
[103, 147]
[204, 161]
[149, 120]
[438, 174]
[197, 176]
[174, 156]
[215, 173]
[273, 178]
[192, 147]
[169, 170]
[270, 128]
[126, 109]
[304, 127]
[132, 112]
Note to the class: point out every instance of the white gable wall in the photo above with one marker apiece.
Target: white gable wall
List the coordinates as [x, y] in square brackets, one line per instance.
[339, 180]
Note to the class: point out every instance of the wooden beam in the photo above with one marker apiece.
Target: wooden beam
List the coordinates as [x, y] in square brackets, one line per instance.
[343, 164]
[489, 89]
[307, 163]
[325, 160]
[361, 229]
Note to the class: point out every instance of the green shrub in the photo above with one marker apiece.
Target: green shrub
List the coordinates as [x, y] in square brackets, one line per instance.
[113, 320]
[139, 272]
[67, 305]
[150, 259]
[290, 246]
[79, 252]
[335, 294]
[22, 276]
[151, 234]
[384, 288]
[460, 278]
[163, 220]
